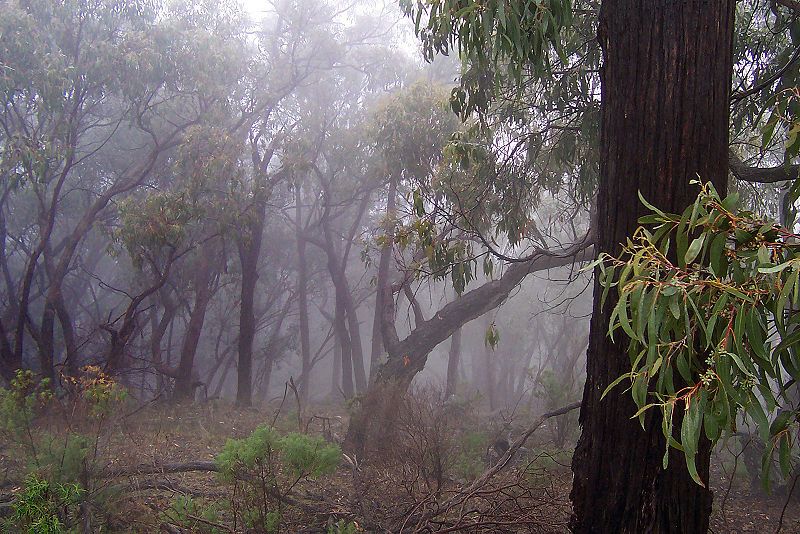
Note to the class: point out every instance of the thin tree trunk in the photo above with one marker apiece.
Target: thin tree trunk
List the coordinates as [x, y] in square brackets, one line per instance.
[158, 335]
[351, 334]
[489, 374]
[343, 339]
[336, 373]
[71, 360]
[488, 364]
[267, 378]
[666, 83]
[249, 247]
[357, 352]
[46, 344]
[453, 358]
[223, 376]
[302, 297]
[7, 364]
[184, 380]
[382, 280]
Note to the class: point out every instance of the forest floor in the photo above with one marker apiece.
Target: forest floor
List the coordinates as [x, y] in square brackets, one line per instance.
[385, 495]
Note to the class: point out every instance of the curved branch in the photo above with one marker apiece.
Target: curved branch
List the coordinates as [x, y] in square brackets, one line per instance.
[765, 175]
[741, 95]
[471, 305]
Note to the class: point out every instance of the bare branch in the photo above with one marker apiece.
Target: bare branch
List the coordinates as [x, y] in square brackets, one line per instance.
[765, 175]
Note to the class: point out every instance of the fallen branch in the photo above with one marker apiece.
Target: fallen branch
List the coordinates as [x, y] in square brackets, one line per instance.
[155, 469]
[481, 481]
[185, 467]
[168, 485]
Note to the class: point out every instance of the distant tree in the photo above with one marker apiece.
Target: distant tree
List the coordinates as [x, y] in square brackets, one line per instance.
[297, 42]
[412, 129]
[93, 98]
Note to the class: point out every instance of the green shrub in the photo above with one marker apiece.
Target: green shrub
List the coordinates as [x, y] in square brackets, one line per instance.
[308, 456]
[21, 402]
[61, 459]
[254, 520]
[184, 510]
[43, 507]
[342, 527]
[60, 454]
[469, 458]
[242, 455]
[264, 467]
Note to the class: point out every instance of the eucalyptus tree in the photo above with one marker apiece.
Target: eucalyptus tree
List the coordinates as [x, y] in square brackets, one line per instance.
[666, 77]
[333, 177]
[95, 97]
[297, 43]
[413, 129]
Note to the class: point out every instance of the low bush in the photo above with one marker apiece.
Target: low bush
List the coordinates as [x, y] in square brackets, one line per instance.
[60, 442]
[264, 467]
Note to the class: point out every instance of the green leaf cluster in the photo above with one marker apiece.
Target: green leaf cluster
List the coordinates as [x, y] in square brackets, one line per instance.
[300, 454]
[708, 301]
[22, 401]
[305, 455]
[268, 466]
[42, 506]
[488, 32]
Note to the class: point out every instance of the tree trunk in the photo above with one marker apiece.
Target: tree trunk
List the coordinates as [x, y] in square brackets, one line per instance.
[453, 358]
[408, 356]
[71, 359]
[158, 333]
[666, 82]
[267, 378]
[350, 332]
[336, 372]
[249, 246]
[302, 297]
[47, 345]
[488, 364]
[184, 379]
[382, 280]
[8, 366]
[343, 340]
[221, 383]
[357, 350]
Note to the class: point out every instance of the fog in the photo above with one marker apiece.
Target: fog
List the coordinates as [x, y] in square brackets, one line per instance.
[213, 188]
[311, 220]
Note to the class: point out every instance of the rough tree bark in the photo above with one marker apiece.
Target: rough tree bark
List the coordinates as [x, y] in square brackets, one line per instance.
[666, 81]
